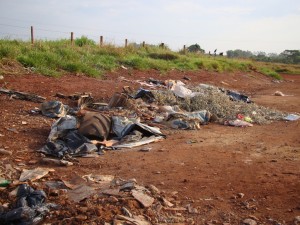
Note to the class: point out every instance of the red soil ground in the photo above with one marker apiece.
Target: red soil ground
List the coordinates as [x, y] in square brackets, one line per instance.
[262, 161]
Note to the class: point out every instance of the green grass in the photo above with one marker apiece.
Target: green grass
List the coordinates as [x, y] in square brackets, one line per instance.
[55, 58]
[270, 72]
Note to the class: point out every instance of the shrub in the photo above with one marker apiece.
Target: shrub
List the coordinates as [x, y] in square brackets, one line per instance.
[84, 41]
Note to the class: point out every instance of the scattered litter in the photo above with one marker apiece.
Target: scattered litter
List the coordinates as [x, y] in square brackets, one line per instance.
[186, 78]
[4, 182]
[55, 185]
[141, 142]
[183, 92]
[56, 162]
[95, 125]
[54, 109]
[81, 192]
[117, 100]
[34, 174]
[143, 198]
[124, 67]
[279, 93]
[23, 95]
[291, 117]
[145, 149]
[30, 207]
[145, 95]
[125, 220]
[237, 123]
[236, 96]
[223, 82]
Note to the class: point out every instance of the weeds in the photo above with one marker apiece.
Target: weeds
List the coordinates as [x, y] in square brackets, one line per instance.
[54, 58]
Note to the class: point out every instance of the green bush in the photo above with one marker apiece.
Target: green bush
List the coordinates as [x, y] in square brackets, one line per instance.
[83, 40]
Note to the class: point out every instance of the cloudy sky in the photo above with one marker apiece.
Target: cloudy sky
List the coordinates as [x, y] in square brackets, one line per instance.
[255, 25]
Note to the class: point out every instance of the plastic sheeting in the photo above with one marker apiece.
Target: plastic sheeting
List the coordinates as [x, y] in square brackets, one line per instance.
[31, 207]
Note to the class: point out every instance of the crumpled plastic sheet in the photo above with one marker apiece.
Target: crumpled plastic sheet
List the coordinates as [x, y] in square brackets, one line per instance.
[73, 144]
[64, 139]
[122, 126]
[235, 96]
[30, 207]
[54, 109]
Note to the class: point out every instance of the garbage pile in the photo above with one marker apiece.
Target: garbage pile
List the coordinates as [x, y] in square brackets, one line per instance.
[133, 118]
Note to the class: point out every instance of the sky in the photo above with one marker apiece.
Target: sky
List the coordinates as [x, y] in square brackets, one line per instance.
[270, 26]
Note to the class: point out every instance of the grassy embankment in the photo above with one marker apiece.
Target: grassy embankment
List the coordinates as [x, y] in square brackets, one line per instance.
[54, 58]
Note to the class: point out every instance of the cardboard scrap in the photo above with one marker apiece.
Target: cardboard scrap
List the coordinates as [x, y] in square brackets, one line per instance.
[81, 192]
[144, 199]
[34, 174]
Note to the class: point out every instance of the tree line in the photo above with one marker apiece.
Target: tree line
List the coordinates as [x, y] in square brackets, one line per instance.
[287, 56]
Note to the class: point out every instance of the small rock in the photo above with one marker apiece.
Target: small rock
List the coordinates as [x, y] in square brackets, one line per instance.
[24, 123]
[128, 186]
[154, 190]
[145, 149]
[1, 77]
[81, 217]
[279, 93]
[249, 222]
[174, 193]
[191, 209]
[5, 152]
[240, 195]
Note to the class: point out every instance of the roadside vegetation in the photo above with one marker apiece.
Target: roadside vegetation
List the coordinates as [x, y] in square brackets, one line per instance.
[55, 58]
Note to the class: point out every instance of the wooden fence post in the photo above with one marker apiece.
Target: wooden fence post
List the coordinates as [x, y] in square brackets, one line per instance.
[184, 49]
[143, 44]
[101, 41]
[32, 36]
[72, 38]
[126, 43]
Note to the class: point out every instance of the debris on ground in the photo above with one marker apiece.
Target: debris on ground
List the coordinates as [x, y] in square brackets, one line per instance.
[291, 117]
[35, 174]
[86, 129]
[30, 207]
[23, 95]
[130, 202]
[54, 109]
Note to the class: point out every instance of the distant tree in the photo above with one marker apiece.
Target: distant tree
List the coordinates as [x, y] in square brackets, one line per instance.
[238, 53]
[195, 48]
[291, 56]
[83, 40]
[287, 56]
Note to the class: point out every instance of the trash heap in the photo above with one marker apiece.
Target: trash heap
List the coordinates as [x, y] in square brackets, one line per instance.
[134, 118]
